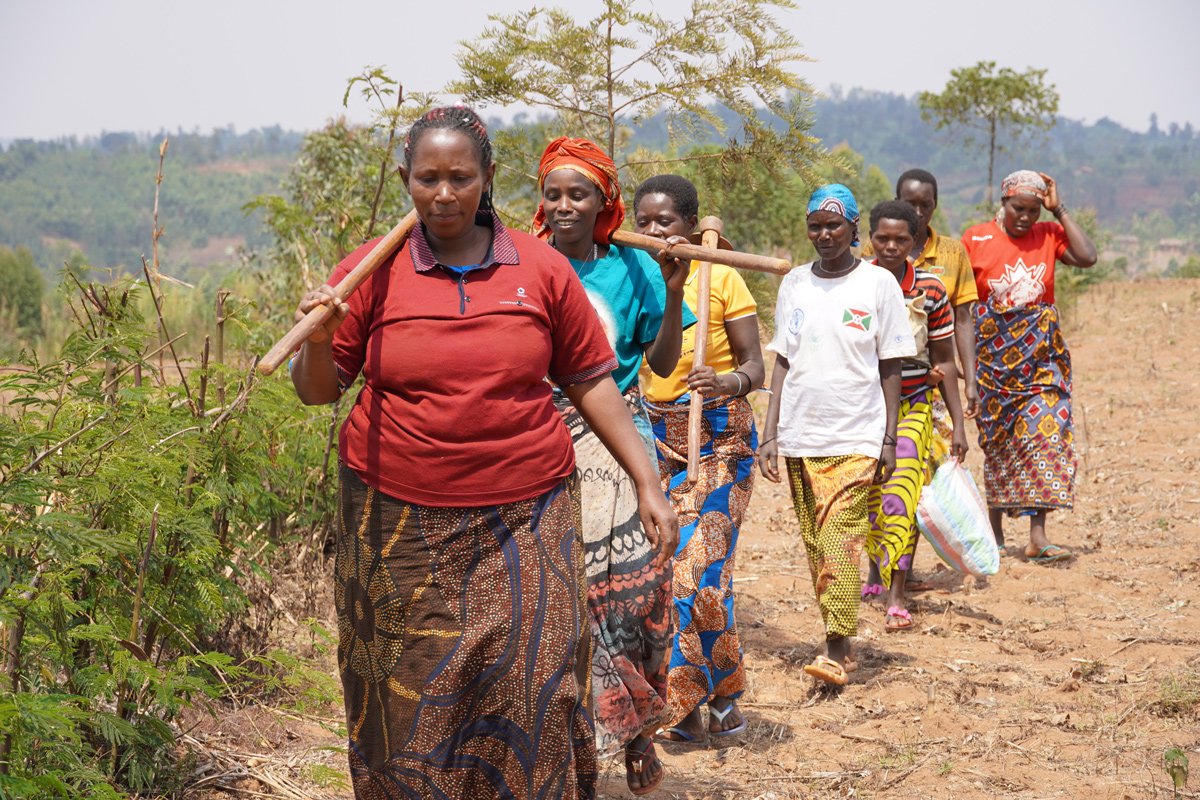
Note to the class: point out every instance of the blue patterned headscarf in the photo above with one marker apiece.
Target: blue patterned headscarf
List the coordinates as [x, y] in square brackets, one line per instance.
[838, 199]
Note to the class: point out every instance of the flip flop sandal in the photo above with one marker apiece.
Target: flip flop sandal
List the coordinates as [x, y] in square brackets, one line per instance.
[684, 736]
[850, 666]
[917, 586]
[1042, 558]
[872, 590]
[828, 670]
[900, 613]
[1008, 551]
[720, 716]
[635, 766]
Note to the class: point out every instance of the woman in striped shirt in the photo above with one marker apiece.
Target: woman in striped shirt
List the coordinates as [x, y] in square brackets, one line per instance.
[893, 505]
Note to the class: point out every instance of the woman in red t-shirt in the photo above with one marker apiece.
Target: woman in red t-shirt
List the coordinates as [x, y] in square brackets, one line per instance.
[463, 631]
[1024, 367]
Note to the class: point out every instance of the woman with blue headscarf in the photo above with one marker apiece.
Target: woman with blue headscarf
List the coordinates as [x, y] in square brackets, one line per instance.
[841, 332]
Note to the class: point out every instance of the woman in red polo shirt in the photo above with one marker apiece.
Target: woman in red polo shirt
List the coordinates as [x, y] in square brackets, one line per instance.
[1023, 366]
[463, 633]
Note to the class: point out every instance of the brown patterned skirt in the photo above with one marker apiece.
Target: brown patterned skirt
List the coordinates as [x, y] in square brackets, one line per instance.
[463, 648]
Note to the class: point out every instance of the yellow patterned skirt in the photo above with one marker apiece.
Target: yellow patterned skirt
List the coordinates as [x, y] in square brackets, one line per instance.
[830, 497]
[893, 506]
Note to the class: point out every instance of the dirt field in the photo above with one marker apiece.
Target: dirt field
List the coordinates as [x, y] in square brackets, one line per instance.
[1040, 682]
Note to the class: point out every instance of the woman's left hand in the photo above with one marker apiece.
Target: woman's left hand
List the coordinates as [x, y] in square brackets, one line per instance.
[971, 393]
[660, 523]
[1051, 200]
[958, 444]
[674, 270]
[886, 465]
[706, 381]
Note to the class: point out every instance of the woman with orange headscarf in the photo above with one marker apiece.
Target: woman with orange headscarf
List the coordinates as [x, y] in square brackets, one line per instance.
[640, 303]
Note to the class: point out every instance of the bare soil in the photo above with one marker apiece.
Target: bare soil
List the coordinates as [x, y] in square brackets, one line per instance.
[1039, 682]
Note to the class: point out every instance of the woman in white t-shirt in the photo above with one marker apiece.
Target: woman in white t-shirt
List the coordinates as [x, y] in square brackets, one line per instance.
[841, 331]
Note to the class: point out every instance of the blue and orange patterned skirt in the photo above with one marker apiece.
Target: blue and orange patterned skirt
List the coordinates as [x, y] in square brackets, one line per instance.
[706, 654]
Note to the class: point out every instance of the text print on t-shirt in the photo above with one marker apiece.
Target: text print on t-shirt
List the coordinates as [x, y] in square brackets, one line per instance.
[1020, 285]
[523, 300]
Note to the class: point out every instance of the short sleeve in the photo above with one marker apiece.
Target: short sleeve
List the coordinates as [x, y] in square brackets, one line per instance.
[783, 311]
[580, 349]
[958, 266]
[650, 294]
[736, 296]
[937, 310]
[1061, 243]
[893, 337]
[350, 339]
[652, 298]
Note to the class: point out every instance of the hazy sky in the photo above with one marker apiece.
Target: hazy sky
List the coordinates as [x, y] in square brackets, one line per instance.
[74, 67]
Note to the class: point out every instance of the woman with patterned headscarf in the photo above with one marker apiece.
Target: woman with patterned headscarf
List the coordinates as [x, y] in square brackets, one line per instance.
[1023, 367]
[841, 332]
[640, 303]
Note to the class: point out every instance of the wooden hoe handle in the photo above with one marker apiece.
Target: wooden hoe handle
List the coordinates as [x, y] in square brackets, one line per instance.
[710, 228]
[299, 334]
[730, 258]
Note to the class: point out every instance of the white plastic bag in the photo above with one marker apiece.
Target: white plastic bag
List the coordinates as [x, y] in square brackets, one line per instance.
[954, 519]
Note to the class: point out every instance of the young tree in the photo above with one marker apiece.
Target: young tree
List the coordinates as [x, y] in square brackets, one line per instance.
[342, 191]
[21, 288]
[990, 101]
[615, 70]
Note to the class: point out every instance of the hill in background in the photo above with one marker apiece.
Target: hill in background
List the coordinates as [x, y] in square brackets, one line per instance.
[97, 195]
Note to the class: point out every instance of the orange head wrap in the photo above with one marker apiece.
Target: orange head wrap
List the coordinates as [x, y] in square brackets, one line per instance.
[589, 160]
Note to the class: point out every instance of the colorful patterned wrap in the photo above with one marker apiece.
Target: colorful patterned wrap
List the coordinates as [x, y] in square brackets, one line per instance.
[463, 648]
[706, 657]
[1023, 369]
[628, 597]
[893, 506]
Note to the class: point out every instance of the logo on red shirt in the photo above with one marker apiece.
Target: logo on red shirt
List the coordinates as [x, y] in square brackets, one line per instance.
[859, 320]
[1020, 285]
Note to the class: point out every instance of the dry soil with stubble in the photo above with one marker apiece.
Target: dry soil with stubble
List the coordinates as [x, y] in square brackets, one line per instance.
[1039, 682]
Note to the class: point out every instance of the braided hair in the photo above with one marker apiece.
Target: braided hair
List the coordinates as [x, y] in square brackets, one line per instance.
[681, 191]
[463, 120]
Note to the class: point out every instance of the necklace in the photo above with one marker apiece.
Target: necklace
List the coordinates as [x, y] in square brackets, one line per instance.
[593, 254]
[828, 273]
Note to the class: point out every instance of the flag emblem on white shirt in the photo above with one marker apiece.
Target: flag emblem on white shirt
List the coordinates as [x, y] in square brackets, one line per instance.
[859, 320]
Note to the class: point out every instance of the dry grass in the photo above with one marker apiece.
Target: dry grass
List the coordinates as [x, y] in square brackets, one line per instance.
[1040, 682]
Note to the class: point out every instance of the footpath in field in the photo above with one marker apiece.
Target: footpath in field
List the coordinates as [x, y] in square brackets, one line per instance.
[1040, 682]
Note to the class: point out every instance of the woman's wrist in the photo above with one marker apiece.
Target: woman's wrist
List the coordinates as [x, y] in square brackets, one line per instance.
[650, 482]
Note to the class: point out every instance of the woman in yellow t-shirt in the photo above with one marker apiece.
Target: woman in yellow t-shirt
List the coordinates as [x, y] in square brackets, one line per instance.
[706, 657]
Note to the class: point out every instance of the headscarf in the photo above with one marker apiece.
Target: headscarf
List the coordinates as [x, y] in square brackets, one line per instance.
[1023, 181]
[838, 199]
[592, 162]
